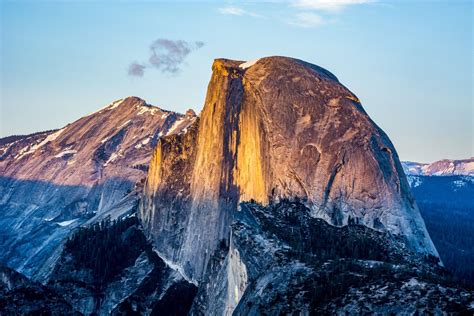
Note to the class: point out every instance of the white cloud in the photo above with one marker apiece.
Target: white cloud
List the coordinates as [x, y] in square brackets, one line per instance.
[231, 10]
[329, 5]
[307, 19]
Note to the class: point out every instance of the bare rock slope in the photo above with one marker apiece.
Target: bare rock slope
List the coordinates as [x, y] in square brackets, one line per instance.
[273, 129]
[54, 181]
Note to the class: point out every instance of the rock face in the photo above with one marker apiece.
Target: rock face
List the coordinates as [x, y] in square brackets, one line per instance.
[277, 128]
[21, 296]
[110, 268]
[281, 260]
[54, 181]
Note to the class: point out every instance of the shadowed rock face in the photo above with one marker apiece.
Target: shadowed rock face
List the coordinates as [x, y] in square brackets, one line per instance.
[278, 128]
[54, 181]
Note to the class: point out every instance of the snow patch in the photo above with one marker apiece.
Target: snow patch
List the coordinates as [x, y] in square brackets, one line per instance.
[145, 109]
[115, 104]
[248, 64]
[144, 142]
[32, 148]
[67, 223]
[109, 106]
[111, 159]
[66, 152]
[124, 124]
[414, 181]
[175, 125]
[459, 183]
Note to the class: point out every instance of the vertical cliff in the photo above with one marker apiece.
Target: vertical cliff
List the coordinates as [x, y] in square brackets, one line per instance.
[274, 129]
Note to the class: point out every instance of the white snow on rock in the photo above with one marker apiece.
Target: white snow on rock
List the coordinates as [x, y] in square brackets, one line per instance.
[111, 159]
[109, 106]
[414, 181]
[249, 63]
[115, 104]
[147, 108]
[144, 142]
[65, 152]
[174, 126]
[32, 148]
[66, 223]
[125, 124]
[180, 125]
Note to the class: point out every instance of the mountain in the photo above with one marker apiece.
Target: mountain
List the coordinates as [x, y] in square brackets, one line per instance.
[282, 197]
[110, 268]
[444, 192]
[55, 181]
[445, 167]
[272, 130]
[21, 296]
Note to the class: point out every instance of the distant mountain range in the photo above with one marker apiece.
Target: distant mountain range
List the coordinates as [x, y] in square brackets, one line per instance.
[444, 192]
[445, 167]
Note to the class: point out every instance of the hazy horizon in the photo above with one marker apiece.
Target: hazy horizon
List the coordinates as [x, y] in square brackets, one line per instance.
[409, 63]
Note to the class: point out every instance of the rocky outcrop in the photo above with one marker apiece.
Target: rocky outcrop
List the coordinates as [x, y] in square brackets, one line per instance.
[55, 181]
[274, 129]
[296, 264]
[110, 268]
[21, 296]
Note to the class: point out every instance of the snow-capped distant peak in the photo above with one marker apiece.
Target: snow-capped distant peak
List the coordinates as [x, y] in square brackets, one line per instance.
[445, 167]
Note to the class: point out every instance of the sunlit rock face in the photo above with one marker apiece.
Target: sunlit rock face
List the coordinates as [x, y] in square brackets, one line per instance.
[272, 129]
[55, 181]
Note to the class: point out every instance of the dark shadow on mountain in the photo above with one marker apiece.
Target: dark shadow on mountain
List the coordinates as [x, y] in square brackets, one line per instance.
[37, 216]
[447, 206]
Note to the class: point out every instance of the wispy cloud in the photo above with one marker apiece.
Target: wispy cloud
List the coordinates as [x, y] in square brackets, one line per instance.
[307, 20]
[232, 10]
[299, 13]
[329, 5]
[314, 13]
[165, 55]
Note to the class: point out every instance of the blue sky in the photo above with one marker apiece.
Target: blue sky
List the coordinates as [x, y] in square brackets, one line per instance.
[410, 62]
